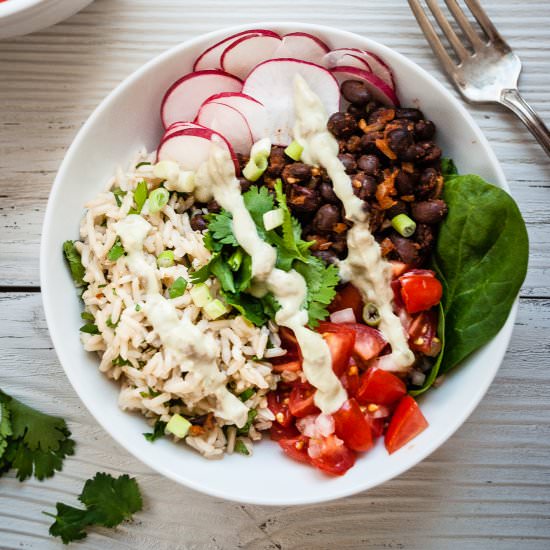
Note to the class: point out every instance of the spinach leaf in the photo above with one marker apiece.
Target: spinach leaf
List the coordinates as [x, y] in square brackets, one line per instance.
[481, 259]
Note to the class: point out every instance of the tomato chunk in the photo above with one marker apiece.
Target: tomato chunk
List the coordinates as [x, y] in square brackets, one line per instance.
[277, 401]
[301, 400]
[406, 423]
[380, 387]
[340, 339]
[420, 290]
[423, 333]
[331, 455]
[348, 296]
[296, 448]
[352, 427]
[292, 365]
[369, 342]
[350, 379]
[277, 432]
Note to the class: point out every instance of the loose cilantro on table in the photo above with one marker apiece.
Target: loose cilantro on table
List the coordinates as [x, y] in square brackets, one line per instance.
[31, 442]
[292, 253]
[108, 502]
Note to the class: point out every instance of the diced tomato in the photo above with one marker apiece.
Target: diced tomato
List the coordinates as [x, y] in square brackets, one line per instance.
[296, 448]
[340, 340]
[301, 400]
[331, 455]
[380, 387]
[423, 333]
[348, 296]
[406, 423]
[292, 365]
[277, 431]
[377, 425]
[277, 401]
[398, 268]
[352, 427]
[369, 342]
[288, 339]
[350, 379]
[420, 290]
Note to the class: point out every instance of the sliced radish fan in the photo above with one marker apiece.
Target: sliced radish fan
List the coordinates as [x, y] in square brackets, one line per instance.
[304, 46]
[241, 56]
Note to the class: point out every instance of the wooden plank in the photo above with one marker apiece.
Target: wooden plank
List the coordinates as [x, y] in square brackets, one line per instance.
[487, 487]
[52, 80]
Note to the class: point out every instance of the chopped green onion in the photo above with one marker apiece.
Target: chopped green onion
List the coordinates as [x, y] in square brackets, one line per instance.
[178, 426]
[178, 288]
[166, 170]
[116, 251]
[151, 393]
[158, 199]
[252, 414]
[110, 323]
[90, 328]
[138, 307]
[200, 294]
[118, 193]
[142, 164]
[371, 315]
[240, 447]
[86, 316]
[120, 362]
[262, 148]
[404, 225]
[166, 259]
[214, 309]
[294, 151]
[246, 395]
[255, 168]
[273, 219]
[140, 195]
[235, 260]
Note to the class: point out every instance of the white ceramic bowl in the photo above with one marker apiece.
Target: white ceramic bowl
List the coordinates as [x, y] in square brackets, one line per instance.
[19, 17]
[127, 119]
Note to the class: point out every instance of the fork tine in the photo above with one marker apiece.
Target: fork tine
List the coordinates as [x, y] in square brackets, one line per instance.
[464, 24]
[449, 32]
[484, 22]
[431, 36]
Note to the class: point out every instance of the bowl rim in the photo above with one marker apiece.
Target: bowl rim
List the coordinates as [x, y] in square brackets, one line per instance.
[17, 6]
[57, 338]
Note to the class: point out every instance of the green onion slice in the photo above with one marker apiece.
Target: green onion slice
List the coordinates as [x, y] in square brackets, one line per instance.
[166, 259]
[294, 151]
[158, 199]
[404, 225]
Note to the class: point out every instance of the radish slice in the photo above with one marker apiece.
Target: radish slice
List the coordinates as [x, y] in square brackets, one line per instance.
[241, 56]
[229, 122]
[272, 83]
[375, 64]
[338, 58]
[377, 87]
[176, 127]
[191, 147]
[211, 57]
[301, 45]
[251, 109]
[186, 95]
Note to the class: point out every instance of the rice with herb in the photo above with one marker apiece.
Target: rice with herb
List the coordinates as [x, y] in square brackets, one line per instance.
[152, 382]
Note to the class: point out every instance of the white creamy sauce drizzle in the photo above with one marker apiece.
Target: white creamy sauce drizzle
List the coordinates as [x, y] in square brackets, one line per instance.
[192, 349]
[289, 288]
[364, 266]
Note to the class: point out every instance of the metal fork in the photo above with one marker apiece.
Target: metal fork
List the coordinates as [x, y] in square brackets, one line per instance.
[487, 74]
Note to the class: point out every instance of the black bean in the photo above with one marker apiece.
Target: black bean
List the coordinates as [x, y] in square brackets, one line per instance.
[326, 255]
[198, 223]
[349, 162]
[409, 114]
[327, 192]
[339, 244]
[370, 164]
[404, 183]
[381, 115]
[400, 140]
[431, 152]
[424, 130]
[353, 144]
[277, 162]
[213, 207]
[406, 249]
[342, 125]
[432, 211]
[368, 141]
[356, 111]
[364, 186]
[326, 217]
[400, 207]
[425, 238]
[429, 182]
[356, 92]
[302, 199]
[297, 173]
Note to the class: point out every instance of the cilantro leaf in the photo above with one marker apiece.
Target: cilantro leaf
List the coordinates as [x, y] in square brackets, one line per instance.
[90, 328]
[178, 288]
[32, 442]
[75, 263]
[158, 431]
[117, 250]
[108, 502]
[220, 227]
[140, 195]
[258, 201]
[248, 306]
[222, 271]
[118, 193]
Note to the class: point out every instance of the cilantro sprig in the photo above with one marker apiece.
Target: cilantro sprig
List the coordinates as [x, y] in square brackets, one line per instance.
[108, 502]
[292, 253]
[31, 442]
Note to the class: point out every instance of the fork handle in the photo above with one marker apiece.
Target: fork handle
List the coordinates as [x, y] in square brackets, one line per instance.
[512, 99]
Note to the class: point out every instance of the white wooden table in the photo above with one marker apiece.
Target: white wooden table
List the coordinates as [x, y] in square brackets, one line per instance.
[488, 487]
